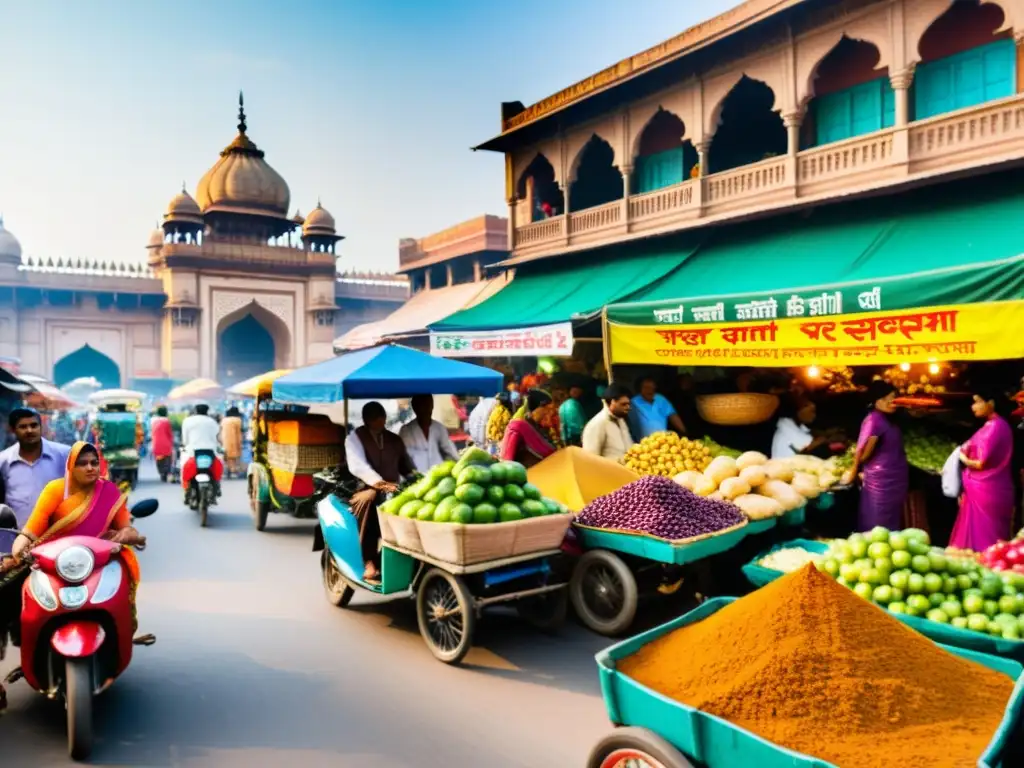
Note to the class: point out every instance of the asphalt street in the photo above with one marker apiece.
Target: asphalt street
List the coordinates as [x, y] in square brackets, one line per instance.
[253, 667]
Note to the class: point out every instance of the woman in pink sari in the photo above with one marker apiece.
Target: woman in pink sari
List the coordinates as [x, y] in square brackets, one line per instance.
[986, 499]
[525, 440]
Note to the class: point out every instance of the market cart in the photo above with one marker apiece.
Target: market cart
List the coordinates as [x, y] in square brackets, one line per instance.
[515, 562]
[117, 428]
[656, 732]
[618, 567]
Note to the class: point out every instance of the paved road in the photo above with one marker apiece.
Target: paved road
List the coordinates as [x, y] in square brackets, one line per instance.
[254, 668]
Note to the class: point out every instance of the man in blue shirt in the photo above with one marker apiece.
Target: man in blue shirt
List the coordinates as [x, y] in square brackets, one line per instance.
[652, 412]
[28, 465]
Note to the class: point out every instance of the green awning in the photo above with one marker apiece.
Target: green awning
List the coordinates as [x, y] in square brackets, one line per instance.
[897, 253]
[542, 295]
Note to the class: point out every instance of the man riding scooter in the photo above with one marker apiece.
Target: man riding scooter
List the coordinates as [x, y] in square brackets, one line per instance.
[200, 440]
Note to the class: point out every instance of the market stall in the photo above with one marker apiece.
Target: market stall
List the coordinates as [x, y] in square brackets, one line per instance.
[196, 390]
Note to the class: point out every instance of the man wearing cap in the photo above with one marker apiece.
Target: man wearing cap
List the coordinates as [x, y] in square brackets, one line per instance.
[28, 465]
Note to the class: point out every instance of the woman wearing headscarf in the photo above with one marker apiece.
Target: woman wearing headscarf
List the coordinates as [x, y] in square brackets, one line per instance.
[82, 503]
[987, 495]
[526, 441]
[881, 463]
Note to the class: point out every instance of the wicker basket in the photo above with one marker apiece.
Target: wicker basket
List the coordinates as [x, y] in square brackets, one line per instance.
[468, 544]
[740, 409]
[303, 458]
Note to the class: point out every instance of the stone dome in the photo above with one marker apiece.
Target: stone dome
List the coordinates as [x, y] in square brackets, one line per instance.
[10, 248]
[318, 222]
[183, 208]
[241, 181]
[156, 238]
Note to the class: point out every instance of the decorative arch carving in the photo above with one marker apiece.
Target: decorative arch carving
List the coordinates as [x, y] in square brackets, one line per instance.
[272, 312]
[608, 130]
[552, 152]
[874, 28]
[921, 14]
[770, 70]
[681, 102]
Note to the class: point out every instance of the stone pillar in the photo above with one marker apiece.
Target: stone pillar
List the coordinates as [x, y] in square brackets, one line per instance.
[703, 148]
[512, 223]
[426, 279]
[793, 121]
[449, 276]
[901, 82]
[565, 213]
[627, 174]
[1018, 38]
[477, 271]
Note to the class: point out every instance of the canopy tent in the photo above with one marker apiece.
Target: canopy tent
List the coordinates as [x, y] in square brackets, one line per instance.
[116, 397]
[12, 383]
[418, 313]
[548, 294]
[196, 389]
[47, 397]
[385, 371]
[783, 282]
[258, 385]
[575, 478]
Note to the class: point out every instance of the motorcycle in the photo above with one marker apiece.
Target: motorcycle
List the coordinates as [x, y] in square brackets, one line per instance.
[76, 633]
[201, 493]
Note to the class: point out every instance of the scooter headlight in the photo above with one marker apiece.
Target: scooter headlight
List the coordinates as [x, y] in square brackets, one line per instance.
[75, 564]
[42, 591]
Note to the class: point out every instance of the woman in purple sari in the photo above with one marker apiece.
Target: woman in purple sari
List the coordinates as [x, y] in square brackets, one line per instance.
[986, 498]
[881, 462]
[525, 440]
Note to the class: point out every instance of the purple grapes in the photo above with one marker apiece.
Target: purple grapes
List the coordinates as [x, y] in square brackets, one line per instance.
[659, 507]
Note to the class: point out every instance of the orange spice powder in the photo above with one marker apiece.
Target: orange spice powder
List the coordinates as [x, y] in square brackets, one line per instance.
[807, 664]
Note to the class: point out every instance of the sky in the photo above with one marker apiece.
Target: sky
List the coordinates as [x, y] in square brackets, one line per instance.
[107, 106]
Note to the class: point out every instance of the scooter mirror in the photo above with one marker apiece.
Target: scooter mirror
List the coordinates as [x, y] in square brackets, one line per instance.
[145, 508]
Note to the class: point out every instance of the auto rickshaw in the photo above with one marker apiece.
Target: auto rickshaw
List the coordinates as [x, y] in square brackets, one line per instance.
[270, 489]
[117, 430]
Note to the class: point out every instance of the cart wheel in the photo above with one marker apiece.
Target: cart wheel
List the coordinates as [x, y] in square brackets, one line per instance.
[260, 509]
[445, 613]
[603, 592]
[338, 591]
[635, 748]
[545, 611]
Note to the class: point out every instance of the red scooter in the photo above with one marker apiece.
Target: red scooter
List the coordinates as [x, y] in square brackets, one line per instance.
[76, 625]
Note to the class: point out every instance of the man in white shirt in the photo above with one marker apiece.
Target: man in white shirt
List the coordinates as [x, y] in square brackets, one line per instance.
[426, 440]
[478, 420]
[607, 434]
[200, 432]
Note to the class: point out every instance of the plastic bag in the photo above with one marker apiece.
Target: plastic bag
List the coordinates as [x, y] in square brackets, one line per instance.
[951, 475]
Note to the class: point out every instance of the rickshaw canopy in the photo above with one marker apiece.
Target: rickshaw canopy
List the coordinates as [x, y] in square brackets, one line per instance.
[258, 386]
[390, 370]
[197, 389]
[116, 397]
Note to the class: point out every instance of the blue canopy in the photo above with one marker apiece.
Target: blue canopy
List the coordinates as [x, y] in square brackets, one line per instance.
[386, 371]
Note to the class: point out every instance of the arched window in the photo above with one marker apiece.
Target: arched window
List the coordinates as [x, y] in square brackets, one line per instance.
[663, 158]
[851, 97]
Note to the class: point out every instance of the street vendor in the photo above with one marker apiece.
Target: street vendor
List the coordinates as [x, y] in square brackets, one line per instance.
[793, 431]
[426, 439]
[378, 458]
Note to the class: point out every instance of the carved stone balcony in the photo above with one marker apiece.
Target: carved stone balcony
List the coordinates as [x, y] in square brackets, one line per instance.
[989, 135]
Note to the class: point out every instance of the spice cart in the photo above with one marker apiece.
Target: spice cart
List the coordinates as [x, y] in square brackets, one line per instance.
[656, 729]
[452, 570]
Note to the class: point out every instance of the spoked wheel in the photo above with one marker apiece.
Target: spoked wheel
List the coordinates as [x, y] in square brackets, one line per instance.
[445, 612]
[635, 748]
[78, 695]
[604, 592]
[260, 509]
[338, 591]
[545, 611]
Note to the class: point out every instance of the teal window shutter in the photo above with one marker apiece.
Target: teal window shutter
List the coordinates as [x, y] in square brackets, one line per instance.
[965, 79]
[855, 111]
[834, 114]
[888, 105]
[660, 170]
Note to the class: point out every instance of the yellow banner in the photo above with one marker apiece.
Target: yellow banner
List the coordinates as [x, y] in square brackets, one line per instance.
[993, 331]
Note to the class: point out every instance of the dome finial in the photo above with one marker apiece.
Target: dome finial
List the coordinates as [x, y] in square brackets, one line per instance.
[241, 113]
[183, 185]
[318, 202]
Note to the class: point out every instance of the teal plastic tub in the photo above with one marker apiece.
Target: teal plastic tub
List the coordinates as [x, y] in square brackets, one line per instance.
[758, 575]
[761, 526]
[659, 550]
[716, 743]
[794, 517]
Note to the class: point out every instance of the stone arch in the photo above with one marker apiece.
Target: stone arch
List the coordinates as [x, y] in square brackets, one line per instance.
[661, 155]
[249, 341]
[964, 24]
[538, 186]
[873, 28]
[596, 179]
[923, 14]
[770, 70]
[846, 48]
[87, 361]
[749, 127]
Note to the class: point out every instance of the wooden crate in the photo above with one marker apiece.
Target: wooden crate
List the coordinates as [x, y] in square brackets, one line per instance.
[467, 544]
[538, 534]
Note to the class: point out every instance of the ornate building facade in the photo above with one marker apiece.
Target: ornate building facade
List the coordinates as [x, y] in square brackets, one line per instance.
[232, 286]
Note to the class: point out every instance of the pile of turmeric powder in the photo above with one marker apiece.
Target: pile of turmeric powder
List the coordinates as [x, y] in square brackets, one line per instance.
[808, 665]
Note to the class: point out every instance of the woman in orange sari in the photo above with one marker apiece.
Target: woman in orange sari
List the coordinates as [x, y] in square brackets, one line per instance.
[84, 503]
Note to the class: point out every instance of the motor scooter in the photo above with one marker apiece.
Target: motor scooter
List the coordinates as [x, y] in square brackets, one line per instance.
[76, 632]
[202, 492]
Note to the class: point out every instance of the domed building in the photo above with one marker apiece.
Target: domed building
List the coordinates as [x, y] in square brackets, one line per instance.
[233, 286]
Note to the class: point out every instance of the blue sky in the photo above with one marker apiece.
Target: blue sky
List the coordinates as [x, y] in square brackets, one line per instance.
[106, 106]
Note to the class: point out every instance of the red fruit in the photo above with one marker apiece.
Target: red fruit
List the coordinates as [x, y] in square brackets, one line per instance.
[1019, 568]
